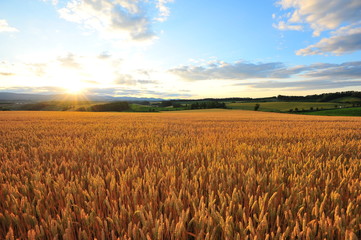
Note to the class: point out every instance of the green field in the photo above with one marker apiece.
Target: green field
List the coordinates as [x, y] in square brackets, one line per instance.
[146, 108]
[284, 106]
[347, 100]
[337, 112]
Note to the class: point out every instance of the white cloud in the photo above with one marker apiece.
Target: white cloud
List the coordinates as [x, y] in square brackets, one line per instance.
[164, 11]
[341, 16]
[322, 15]
[345, 40]
[117, 19]
[285, 26]
[4, 27]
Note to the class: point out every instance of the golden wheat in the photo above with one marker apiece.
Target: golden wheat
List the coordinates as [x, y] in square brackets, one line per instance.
[182, 175]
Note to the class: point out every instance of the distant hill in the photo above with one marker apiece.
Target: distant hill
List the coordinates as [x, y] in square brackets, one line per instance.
[8, 96]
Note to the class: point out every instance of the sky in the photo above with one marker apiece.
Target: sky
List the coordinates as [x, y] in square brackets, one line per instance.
[180, 48]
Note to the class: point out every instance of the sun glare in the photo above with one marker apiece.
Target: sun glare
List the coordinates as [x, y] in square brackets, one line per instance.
[74, 90]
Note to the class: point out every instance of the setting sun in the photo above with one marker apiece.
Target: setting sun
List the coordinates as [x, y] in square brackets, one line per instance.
[74, 89]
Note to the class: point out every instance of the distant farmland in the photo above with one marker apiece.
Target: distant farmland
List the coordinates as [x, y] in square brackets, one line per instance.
[179, 175]
[286, 106]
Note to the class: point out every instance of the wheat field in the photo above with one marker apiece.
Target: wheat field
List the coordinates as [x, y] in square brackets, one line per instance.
[180, 175]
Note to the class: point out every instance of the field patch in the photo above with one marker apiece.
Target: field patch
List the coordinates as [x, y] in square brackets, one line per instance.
[356, 111]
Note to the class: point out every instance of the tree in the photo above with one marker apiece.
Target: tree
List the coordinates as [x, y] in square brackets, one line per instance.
[256, 107]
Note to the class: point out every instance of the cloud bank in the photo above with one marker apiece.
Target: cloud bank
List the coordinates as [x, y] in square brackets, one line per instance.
[240, 70]
[275, 74]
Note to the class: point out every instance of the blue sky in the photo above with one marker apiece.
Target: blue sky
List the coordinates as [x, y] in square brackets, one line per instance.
[180, 49]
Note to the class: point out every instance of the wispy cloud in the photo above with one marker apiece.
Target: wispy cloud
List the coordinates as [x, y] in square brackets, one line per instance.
[68, 61]
[130, 80]
[345, 40]
[324, 15]
[4, 27]
[164, 11]
[281, 25]
[7, 74]
[54, 2]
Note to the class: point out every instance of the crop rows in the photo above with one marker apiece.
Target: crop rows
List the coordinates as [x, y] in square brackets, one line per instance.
[182, 175]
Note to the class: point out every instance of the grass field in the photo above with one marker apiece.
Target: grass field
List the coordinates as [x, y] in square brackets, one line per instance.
[146, 108]
[179, 175]
[356, 111]
[284, 106]
[347, 99]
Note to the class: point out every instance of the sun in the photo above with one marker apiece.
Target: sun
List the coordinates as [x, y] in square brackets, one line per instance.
[69, 81]
[74, 88]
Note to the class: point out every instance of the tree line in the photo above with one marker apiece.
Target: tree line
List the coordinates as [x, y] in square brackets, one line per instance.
[324, 97]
